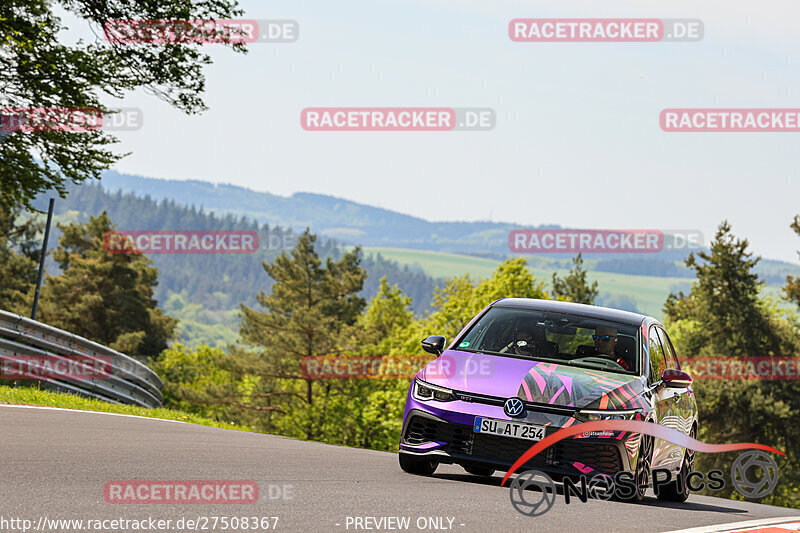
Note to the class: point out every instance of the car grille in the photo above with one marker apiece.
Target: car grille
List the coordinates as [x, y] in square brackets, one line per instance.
[421, 430]
[461, 440]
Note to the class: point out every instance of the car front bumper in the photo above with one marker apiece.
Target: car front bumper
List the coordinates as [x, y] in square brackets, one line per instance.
[444, 431]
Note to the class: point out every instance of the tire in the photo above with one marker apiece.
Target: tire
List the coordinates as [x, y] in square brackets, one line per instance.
[678, 491]
[483, 471]
[644, 461]
[420, 466]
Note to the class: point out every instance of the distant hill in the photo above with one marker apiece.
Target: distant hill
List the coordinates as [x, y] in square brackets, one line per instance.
[205, 290]
[353, 223]
[348, 222]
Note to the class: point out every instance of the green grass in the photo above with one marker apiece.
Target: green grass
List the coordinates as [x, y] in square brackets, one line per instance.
[33, 396]
[648, 292]
[438, 264]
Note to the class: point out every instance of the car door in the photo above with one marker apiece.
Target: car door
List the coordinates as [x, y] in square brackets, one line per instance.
[676, 399]
[664, 402]
[686, 403]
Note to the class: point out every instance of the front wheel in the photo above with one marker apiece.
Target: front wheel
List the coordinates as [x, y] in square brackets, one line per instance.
[643, 469]
[678, 489]
[420, 466]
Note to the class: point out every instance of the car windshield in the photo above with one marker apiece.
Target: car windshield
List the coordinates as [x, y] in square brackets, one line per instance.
[557, 337]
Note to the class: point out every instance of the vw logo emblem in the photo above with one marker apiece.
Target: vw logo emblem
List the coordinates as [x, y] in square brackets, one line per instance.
[514, 407]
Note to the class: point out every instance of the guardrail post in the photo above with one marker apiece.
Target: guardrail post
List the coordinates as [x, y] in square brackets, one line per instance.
[41, 259]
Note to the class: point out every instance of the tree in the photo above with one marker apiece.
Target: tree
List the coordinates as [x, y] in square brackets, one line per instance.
[462, 298]
[792, 288]
[724, 302]
[309, 312]
[20, 250]
[724, 315]
[388, 313]
[37, 70]
[107, 298]
[574, 287]
[192, 379]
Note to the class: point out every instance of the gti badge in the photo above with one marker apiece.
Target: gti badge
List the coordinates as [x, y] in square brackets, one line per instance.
[514, 407]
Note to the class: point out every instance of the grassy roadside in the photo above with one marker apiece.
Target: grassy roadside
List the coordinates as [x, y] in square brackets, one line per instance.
[32, 396]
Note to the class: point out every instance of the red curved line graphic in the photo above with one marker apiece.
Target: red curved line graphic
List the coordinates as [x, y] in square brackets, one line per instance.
[634, 426]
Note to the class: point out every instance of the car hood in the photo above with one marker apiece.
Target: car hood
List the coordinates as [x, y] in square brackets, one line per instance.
[534, 381]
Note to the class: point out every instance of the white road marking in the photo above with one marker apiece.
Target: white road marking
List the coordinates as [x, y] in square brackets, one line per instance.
[738, 526]
[85, 411]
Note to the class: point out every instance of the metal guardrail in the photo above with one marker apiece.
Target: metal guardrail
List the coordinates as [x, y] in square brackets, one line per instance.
[128, 382]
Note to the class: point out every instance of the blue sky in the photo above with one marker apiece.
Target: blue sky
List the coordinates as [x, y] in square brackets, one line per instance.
[577, 140]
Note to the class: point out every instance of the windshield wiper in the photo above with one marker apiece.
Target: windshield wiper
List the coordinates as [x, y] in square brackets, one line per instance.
[476, 351]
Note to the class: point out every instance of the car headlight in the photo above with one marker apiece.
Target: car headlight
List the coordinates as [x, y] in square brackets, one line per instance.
[593, 415]
[424, 391]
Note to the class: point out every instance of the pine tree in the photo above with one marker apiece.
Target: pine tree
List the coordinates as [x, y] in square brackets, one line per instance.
[574, 287]
[724, 316]
[309, 313]
[19, 256]
[107, 298]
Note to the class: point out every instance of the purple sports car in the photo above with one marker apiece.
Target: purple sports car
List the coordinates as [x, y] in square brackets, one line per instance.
[522, 369]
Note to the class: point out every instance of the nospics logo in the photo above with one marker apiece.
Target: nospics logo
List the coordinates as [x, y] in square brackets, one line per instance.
[750, 486]
[546, 488]
[754, 473]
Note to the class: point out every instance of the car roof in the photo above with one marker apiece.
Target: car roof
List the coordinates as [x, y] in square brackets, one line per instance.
[569, 308]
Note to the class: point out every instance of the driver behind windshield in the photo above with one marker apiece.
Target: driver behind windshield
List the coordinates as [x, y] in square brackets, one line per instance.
[524, 343]
[605, 340]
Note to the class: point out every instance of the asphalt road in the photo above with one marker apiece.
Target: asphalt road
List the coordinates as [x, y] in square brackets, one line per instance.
[55, 464]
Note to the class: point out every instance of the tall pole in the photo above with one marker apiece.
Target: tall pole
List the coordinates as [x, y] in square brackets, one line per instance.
[41, 259]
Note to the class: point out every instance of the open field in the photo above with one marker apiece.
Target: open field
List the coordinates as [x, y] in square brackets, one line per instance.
[648, 292]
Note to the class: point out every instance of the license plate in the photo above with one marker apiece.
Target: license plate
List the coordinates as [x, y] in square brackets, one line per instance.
[506, 428]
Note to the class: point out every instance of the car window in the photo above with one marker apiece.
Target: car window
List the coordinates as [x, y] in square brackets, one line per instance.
[657, 361]
[562, 338]
[669, 351]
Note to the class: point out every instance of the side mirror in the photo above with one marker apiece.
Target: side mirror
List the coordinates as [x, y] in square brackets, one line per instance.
[434, 344]
[676, 378]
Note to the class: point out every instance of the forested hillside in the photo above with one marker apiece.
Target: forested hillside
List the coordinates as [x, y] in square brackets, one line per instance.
[204, 290]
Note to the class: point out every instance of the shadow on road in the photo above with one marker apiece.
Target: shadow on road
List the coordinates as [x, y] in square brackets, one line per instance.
[649, 501]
